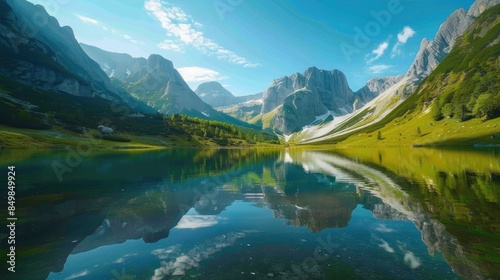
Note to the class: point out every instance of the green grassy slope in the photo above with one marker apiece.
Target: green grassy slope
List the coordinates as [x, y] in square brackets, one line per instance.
[458, 104]
[32, 118]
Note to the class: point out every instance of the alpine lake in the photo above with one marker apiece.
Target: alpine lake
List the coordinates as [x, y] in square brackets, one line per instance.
[412, 213]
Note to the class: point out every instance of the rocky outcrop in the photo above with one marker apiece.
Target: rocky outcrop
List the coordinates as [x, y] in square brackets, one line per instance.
[331, 87]
[379, 85]
[298, 110]
[31, 61]
[49, 79]
[37, 51]
[329, 92]
[120, 66]
[43, 34]
[163, 88]
[431, 53]
[373, 88]
[154, 81]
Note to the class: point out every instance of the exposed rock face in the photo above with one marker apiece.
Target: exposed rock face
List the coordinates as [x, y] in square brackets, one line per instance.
[214, 94]
[163, 88]
[374, 87]
[44, 34]
[36, 50]
[30, 60]
[431, 53]
[156, 82]
[379, 85]
[298, 110]
[153, 80]
[329, 92]
[120, 66]
[331, 87]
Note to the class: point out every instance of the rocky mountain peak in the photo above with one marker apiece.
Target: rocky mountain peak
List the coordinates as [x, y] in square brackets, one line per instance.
[431, 53]
[379, 85]
[159, 64]
[332, 86]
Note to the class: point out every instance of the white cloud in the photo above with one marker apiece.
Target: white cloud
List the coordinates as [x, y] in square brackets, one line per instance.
[378, 52]
[106, 28]
[406, 34]
[124, 258]
[170, 45]
[132, 40]
[197, 221]
[411, 260]
[403, 37]
[386, 246]
[120, 260]
[181, 26]
[175, 262]
[379, 68]
[87, 19]
[382, 227]
[196, 74]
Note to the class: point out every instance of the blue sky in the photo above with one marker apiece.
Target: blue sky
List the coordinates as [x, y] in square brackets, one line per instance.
[246, 44]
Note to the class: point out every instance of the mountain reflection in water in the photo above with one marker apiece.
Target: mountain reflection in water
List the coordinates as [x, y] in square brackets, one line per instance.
[185, 213]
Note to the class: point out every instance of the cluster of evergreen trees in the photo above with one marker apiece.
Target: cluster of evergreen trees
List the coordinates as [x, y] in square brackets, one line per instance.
[219, 132]
[465, 84]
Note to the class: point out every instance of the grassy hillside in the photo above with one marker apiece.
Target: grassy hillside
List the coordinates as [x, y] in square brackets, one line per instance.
[467, 84]
[458, 104]
[31, 118]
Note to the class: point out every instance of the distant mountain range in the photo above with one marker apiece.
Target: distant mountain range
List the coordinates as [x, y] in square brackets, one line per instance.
[309, 107]
[293, 102]
[214, 94]
[156, 82]
[388, 104]
[47, 81]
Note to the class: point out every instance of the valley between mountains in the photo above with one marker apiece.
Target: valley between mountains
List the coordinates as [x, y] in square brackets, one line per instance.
[55, 92]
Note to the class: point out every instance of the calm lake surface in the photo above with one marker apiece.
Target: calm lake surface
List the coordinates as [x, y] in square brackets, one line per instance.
[256, 214]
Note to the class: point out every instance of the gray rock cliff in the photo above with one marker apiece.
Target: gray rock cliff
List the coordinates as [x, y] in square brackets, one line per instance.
[374, 87]
[298, 110]
[331, 87]
[431, 53]
[37, 51]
